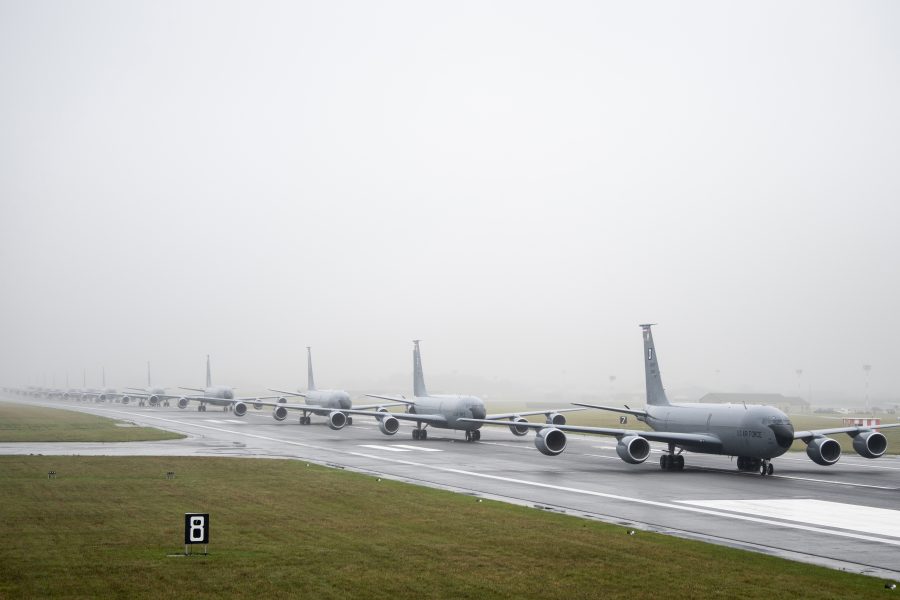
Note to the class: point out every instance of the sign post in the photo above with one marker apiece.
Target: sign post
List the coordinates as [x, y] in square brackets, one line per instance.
[196, 531]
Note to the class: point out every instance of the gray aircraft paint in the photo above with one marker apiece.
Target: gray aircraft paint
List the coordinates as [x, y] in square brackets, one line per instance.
[753, 433]
[460, 412]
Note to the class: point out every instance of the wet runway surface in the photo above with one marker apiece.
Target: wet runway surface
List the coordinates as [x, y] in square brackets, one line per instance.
[846, 516]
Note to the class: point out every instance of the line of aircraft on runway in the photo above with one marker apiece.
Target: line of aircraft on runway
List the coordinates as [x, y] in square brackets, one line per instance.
[755, 434]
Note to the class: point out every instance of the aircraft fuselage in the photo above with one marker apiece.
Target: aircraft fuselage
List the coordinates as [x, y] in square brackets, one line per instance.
[451, 408]
[754, 430]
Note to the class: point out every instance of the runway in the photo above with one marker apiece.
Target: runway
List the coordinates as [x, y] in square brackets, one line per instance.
[845, 516]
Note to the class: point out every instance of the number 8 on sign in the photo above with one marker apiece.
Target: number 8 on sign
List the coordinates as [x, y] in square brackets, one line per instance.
[196, 528]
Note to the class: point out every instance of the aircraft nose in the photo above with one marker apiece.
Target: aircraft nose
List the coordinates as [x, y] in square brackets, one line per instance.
[784, 434]
[478, 412]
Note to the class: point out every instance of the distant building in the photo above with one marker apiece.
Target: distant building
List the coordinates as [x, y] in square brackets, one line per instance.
[787, 404]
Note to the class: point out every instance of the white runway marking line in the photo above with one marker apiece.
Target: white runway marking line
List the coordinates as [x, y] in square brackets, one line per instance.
[421, 448]
[390, 448]
[235, 421]
[852, 517]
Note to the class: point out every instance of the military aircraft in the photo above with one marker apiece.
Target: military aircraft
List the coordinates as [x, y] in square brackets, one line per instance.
[332, 404]
[155, 396]
[755, 434]
[215, 395]
[449, 412]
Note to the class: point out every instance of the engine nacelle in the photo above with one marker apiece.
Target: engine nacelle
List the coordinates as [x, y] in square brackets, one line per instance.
[126, 399]
[389, 425]
[102, 398]
[870, 444]
[281, 400]
[633, 449]
[182, 402]
[153, 400]
[556, 419]
[280, 413]
[381, 409]
[240, 409]
[823, 451]
[336, 420]
[518, 429]
[550, 441]
[258, 405]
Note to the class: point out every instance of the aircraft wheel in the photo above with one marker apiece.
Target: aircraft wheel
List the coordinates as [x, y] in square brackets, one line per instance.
[415, 434]
[349, 420]
[770, 470]
[679, 462]
[476, 435]
[468, 435]
[664, 462]
[225, 408]
[762, 469]
[423, 435]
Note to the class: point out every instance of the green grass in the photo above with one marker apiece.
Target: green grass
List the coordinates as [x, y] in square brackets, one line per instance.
[22, 423]
[281, 529]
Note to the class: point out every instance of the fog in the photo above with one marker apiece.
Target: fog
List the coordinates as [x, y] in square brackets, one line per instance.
[518, 184]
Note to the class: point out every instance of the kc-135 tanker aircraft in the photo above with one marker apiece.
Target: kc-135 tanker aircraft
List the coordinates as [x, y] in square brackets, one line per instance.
[449, 411]
[755, 434]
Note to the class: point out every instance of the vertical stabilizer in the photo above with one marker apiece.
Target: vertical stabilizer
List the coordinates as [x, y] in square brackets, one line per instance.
[208, 373]
[149, 382]
[656, 394]
[418, 378]
[310, 382]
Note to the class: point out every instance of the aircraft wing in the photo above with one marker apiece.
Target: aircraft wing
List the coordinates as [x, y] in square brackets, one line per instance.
[529, 413]
[626, 410]
[852, 430]
[399, 399]
[416, 418]
[681, 439]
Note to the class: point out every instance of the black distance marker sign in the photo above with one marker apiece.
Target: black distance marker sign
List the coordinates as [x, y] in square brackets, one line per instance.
[196, 528]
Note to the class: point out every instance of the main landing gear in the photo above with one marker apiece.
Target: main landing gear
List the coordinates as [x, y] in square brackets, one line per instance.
[762, 465]
[201, 408]
[473, 435]
[420, 434]
[304, 420]
[671, 461]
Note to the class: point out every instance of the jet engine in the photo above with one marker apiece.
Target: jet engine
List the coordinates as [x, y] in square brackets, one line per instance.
[280, 413]
[240, 409]
[556, 419]
[518, 429]
[126, 399]
[870, 444]
[633, 449]
[824, 451]
[182, 402]
[257, 405]
[389, 425]
[550, 441]
[153, 400]
[337, 420]
[102, 398]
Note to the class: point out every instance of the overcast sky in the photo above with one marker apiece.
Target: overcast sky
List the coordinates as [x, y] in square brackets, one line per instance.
[519, 184]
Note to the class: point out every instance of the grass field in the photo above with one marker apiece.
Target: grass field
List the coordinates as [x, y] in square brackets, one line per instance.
[281, 529]
[22, 423]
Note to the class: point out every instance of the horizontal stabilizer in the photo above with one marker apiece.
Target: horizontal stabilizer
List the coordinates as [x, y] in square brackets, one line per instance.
[627, 411]
[548, 411]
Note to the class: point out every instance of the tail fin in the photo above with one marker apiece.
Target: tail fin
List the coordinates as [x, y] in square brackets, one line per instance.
[310, 382]
[149, 382]
[208, 373]
[656, 394]
[418, 377]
